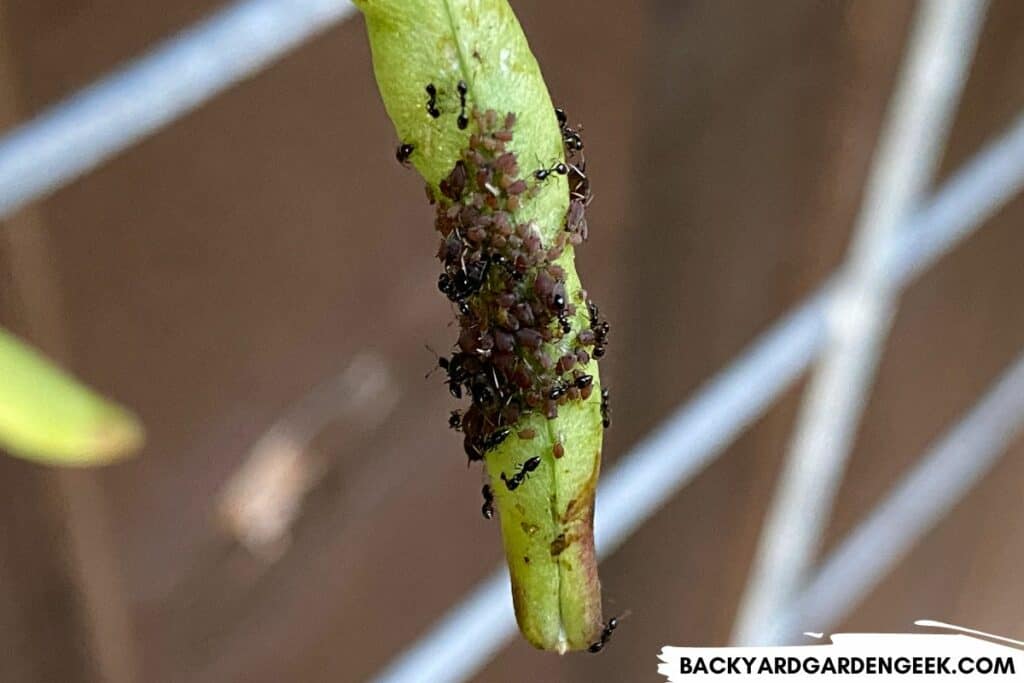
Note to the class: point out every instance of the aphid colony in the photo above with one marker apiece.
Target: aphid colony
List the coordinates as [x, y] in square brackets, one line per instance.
[510, 294]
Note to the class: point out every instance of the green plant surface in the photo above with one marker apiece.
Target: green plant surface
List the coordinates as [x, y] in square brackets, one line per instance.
[547, 523]
[48, 417]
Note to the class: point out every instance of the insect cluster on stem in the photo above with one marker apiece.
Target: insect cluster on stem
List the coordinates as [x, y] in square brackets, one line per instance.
[514, 308]
[510, 294]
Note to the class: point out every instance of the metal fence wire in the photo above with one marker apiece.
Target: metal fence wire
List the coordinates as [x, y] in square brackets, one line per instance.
[900, 233]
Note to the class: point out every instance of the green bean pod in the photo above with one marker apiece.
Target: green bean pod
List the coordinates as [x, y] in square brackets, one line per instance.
[546, 513]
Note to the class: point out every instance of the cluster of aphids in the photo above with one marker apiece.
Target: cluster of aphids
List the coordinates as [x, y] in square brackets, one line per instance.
[508, 289]
[513, 305]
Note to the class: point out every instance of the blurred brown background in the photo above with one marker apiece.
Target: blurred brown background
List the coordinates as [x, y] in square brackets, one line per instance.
[215, 274]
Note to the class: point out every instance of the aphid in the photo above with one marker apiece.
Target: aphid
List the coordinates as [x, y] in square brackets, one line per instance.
[558, 450]
[558, 391]
[487, 509]
[403, 153]
[495, 438]
[543, 173]
[606, 410]
[584, 381]
[455, 420]
[462, 121]
[606, 634]
[432, 101]
[455, 184]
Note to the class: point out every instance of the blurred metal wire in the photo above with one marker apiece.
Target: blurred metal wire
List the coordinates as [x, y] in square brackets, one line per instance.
[147, 94]
[946, 473]
[920, 116]
[465, 638]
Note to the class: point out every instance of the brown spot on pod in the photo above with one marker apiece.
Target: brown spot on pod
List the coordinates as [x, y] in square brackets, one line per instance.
[559, 545]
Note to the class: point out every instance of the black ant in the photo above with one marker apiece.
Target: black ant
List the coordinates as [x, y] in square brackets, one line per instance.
[564, 322]
[495, 438]
[462, 120]
[432, 101]
[571, 138]
[462, 285]
[519, 477]
[543, 173]
[558, 301]
[606, 410]
[600, 329]
[606, 635]
[573, 141]
[487, 509]
[403, 153]
[600, 339]
[472, 450]
[456, 375]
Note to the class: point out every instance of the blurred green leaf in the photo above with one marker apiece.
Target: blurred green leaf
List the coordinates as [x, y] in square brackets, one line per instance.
[47, 416]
